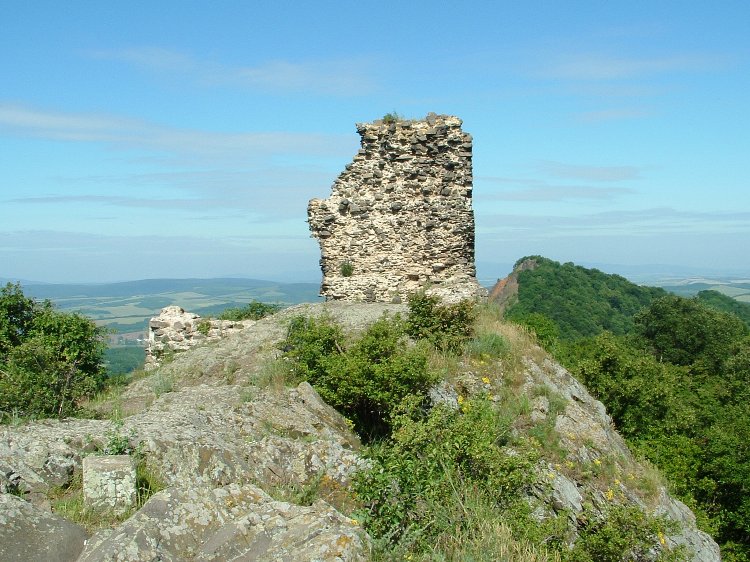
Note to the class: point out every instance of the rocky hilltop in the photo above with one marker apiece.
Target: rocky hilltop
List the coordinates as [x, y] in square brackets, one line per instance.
[232, 446]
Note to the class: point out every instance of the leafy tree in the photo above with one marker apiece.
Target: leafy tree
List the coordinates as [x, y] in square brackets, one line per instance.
[686, 332]
[366, 379]
[447, 327]
[49, 360]
[16, 316]
[582, 302]
[251, 311]
[724, 303]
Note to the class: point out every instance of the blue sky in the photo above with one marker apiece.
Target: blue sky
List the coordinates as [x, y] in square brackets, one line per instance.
[184, 139]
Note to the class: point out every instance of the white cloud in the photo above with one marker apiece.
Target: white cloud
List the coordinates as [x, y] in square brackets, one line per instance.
[183, 143]
[340, 77]
[633, 223]
[615, 114]
[605, 67]
[588, 173]
[538, 191]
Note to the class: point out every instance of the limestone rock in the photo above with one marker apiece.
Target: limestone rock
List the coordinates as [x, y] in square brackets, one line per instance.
[109, 483]
[213, 441]
[399, 217]
[229, 523]
[28, 533]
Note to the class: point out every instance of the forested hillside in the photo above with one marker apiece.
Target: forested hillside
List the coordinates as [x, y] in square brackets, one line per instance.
[581, 302]
[672, 371]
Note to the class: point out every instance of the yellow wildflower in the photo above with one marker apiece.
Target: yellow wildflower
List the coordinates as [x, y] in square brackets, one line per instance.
[460, 399]
[486, 380]
[662, 539]
[609, 494]
[597, 462]
[617, 482]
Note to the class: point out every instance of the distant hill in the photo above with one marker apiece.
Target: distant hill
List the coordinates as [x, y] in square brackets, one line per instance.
[582, 302]
[724, 303]
[737, 289]
[127, 306]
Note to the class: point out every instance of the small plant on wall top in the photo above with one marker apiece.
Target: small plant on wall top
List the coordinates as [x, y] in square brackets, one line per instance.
[347, 269]
[392, 117]
[204, 326]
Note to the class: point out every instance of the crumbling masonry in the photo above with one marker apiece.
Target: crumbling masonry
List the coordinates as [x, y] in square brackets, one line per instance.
[399, 217]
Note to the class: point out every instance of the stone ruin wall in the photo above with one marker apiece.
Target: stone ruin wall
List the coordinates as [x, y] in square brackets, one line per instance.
[399, 217]
[175, 331]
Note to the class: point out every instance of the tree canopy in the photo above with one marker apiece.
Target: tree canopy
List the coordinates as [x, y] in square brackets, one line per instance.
[49, 360]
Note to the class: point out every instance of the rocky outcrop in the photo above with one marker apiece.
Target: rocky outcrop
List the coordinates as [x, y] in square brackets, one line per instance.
[399, 217]
[224, 445]
[229, 523]
[28, 533]
[175, 330]
[505, 292]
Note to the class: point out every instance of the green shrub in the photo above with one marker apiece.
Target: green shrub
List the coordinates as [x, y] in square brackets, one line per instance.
[204, 327]
[425, 483]
[488, 344]
[347, 269]
[392, 117]
[364, 380]
[49, 360]
[447, 327]
[623, 533]
[252, 311]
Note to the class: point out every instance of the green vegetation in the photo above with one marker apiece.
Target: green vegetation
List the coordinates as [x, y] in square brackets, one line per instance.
[450, 482]
[49, 360]
[427, 481]
[581, 302]
[673, 374]
[448, 328]
[252, 311]
[365, 379]
[123, 360]
[723, 303]
[347, 269]
[392, 117]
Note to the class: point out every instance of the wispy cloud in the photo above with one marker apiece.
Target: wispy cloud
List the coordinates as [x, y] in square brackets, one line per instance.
[635, 223]
[61, 256]
[606, 67]
[137, 134]
[615, 114]
[588, 173]
[538, 191]
[255, 193]
[339, 77]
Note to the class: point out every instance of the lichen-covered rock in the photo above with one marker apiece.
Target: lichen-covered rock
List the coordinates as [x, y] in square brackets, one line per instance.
[229, 523]
[28, 533]
[109, 483]
[587, 434]
[399, 217]
[210, 436]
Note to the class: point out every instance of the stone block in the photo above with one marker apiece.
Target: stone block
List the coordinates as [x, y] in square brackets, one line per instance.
[109, 483]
